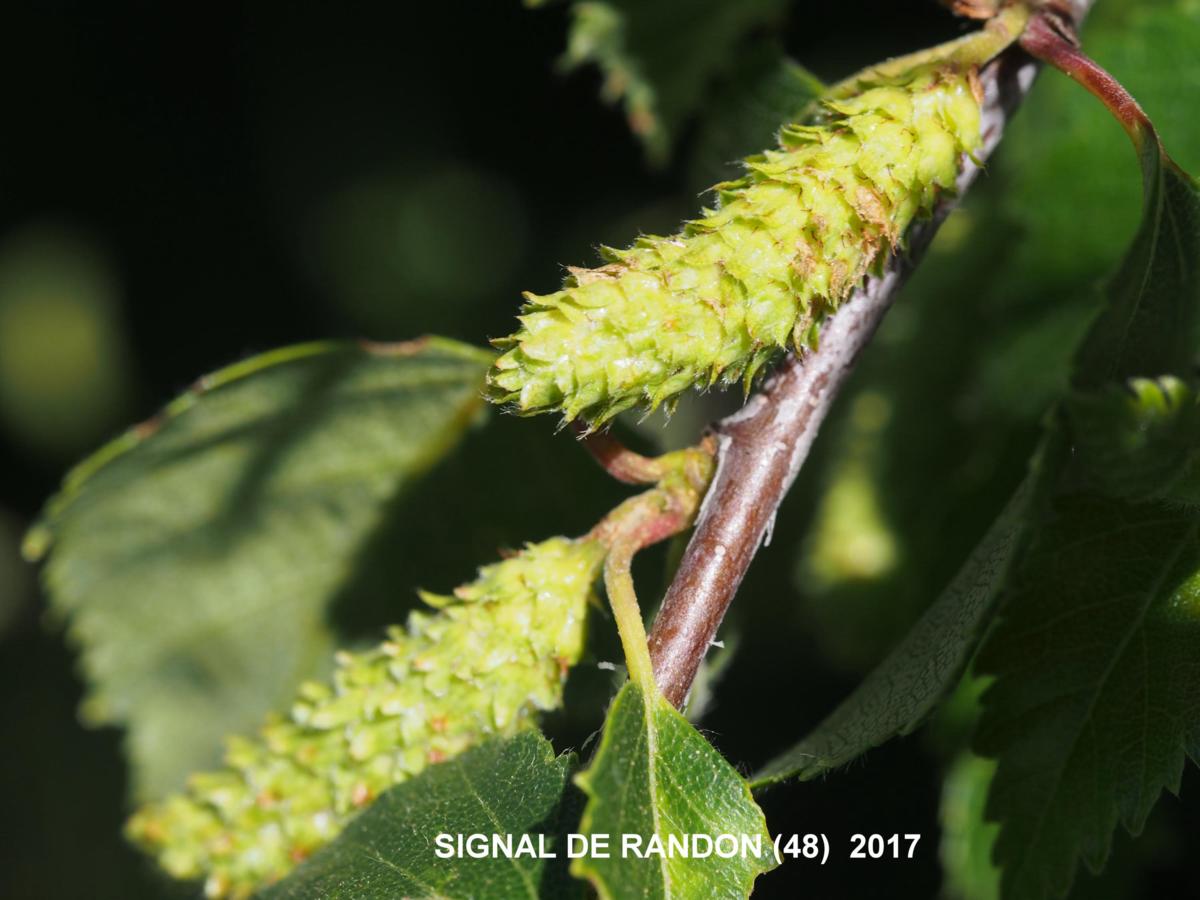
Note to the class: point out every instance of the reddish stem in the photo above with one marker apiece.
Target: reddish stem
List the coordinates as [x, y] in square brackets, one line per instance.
[618, 460]
[1051, 38]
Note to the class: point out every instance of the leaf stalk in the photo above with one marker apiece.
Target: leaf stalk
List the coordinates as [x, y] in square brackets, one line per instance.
[1051, 38]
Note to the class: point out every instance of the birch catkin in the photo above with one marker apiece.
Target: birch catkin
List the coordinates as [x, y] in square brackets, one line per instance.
[786, 244]
[484, 664]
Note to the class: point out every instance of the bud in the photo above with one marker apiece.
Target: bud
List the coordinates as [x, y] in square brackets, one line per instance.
[491, 657]
[786, 244]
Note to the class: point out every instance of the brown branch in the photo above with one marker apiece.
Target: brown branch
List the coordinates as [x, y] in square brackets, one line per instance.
[762, 446]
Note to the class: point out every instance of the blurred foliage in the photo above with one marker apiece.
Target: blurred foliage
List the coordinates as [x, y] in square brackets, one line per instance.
[413, 252]
[16, 580]
[64, 369]
[967, 840]
[850, 540]
[767, 89]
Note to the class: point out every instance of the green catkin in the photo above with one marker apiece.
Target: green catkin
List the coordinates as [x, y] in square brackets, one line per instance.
[484, 664]
[786, 244]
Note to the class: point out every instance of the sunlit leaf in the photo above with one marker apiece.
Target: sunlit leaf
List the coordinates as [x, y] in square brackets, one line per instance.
[512, 789]
[655, 780]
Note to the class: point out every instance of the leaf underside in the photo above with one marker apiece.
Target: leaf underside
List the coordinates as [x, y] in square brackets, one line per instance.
[193, 559]
[901, 692]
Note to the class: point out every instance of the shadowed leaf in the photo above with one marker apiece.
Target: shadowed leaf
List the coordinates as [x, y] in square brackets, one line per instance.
[193, 558]
[1097, 697]
[923, 668]
[1140, 440]
[660, 57]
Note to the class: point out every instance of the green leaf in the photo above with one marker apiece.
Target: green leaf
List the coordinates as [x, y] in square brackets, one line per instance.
[660, 57]
[193, 558]
[1151, 317]
[988, 325]
[1095, 705]
[1065, 146]
[882, 545]
[1097, 697]
[923, 668]
[655, 777]
[967, 840]
[509, 788]
[1141, 440]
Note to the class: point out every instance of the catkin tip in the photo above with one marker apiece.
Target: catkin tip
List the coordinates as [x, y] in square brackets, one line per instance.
[756, 275]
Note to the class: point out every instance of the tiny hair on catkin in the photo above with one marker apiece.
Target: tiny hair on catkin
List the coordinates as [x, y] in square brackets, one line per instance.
[483, 664]
[785, 245]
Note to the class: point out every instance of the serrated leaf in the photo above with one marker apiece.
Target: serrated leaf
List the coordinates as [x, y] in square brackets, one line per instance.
[193, 558]
[1097, 700]
[1097, 697]
[1140, 440]
[882, 544]
[1149, 324]
[967, 840]
[659, 57]
[655, 777]
[923, 668]
[512, 788]
[989, 323]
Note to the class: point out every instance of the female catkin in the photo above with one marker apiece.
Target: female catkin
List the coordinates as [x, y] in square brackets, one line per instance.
[484, 664]
[786, 244]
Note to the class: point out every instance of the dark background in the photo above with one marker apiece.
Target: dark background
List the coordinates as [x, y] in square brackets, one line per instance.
[224, 179]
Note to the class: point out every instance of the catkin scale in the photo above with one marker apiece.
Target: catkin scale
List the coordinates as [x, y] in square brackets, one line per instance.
[785, 245]
[485, 663]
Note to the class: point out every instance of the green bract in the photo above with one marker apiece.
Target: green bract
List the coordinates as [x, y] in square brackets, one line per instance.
[484, 664]
[787, 243]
